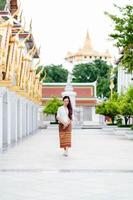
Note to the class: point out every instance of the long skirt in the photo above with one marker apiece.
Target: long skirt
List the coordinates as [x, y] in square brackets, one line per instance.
[65, 135]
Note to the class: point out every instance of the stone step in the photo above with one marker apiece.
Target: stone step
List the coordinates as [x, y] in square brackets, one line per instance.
[92, 126]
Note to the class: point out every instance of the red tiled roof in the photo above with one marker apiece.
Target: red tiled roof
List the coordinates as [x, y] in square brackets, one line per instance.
[84, 91]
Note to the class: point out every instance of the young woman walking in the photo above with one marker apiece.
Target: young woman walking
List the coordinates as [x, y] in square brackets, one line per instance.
[64, 117]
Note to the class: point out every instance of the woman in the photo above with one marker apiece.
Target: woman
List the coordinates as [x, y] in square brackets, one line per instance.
[64, 117]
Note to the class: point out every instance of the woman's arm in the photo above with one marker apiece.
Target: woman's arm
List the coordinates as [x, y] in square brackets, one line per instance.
[60, 120]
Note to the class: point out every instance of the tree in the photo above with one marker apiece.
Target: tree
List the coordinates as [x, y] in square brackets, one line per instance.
[118, 105]
[115, 72]
[85, 72]
[54, 73]
[123, 34]
[109, 108]
[52, 106]
[125, 107]
[97, 70]
[103, 87]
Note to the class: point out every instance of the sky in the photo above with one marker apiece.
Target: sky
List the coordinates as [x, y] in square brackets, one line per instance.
[60, 26]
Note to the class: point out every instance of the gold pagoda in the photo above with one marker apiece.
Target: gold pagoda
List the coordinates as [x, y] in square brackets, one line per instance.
[87, 53]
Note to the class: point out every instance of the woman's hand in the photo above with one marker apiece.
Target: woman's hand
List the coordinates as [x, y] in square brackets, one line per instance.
[65, 125]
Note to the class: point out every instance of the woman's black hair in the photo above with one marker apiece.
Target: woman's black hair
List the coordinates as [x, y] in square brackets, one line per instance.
[69, 106]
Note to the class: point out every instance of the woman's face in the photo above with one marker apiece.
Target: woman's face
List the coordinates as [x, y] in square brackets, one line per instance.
[66, 102]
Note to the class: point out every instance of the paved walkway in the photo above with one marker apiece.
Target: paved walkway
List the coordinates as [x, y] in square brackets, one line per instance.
[100, 167]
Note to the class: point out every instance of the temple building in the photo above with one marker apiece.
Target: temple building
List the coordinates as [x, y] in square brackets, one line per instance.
[86, 100]
[87, 53]
[20, 86]
[125, 79]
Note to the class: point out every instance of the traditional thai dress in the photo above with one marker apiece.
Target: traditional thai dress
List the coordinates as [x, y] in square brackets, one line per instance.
[64, 133]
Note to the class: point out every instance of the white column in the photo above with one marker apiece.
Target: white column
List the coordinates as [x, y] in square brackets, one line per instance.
[18, 119]
[37, 107]
[21, 118]
[28, 118]
[95, 117]
[11, 117]
[1, 124]
[35, 117]
[1, 119]
[15, 132]
[3, 116]
[30, 115]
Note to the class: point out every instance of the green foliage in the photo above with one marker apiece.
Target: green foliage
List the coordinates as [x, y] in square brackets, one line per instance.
[115, 72]
[38, 69]
[52, 106]
[103, 87]
[98, 70]
[119, 120]
[85, 73]
[125, 106]
[125, 103]
[2, 4]
[127, 59]
[125, 126]
[123, 34]
[118, 106]
[109, 108]
[54, 73]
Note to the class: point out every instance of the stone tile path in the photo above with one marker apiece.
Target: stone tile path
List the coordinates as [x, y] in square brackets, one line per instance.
[99, 167]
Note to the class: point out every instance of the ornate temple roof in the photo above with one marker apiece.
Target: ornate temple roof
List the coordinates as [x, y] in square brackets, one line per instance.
[17, 26]
[87, 44]
[87, 50]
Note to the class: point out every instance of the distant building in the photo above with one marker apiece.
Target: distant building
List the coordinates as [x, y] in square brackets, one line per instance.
[87, 53]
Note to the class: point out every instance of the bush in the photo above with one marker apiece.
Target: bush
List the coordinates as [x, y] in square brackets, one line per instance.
[112, 124]
[53, 122]
[52, 106]
[125, 126]
[119, 121]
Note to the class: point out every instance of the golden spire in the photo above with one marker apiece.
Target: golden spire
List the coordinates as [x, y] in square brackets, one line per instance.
[87, 44]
